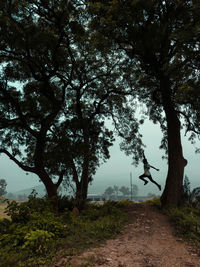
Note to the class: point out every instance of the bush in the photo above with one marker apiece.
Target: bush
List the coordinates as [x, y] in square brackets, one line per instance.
[154, 201]
[65, 203]
[37, 241]
[4, 225]
[48, 221]
[18, 212]
[34, 232]
[186, 221]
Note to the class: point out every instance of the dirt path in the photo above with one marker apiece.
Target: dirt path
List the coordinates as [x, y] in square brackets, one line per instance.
[147, 241]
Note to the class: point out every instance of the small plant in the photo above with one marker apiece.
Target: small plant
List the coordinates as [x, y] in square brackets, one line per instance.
[186, 222]
[154, 202]
[34, 232]
[18, 212]
[37, 241]
[4, 225]
[189, 197]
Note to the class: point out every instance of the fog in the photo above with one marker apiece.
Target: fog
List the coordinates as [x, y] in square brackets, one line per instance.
[116, 171]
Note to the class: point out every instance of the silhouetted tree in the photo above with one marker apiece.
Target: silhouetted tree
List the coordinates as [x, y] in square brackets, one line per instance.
[161, 38]
[116, 190]
[109, 192]
[3, 185]
[134, 190]
[56, 89]
[188, 196]
[124, 190]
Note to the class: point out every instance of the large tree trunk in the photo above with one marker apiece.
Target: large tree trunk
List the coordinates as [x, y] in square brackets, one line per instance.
[82, 189]
[51, 189]
[173, 188]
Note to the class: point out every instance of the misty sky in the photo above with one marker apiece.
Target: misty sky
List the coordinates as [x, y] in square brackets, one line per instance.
[117, 170]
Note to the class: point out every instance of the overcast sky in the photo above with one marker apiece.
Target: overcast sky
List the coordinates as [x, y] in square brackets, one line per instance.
[118, 168]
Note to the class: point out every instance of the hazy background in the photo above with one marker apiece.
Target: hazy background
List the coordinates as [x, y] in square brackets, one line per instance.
[118, 168]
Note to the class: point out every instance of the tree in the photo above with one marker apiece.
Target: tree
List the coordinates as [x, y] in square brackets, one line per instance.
[116, 190]
[109, 191]
[3, 185]
[190, 197]
[186, 187]
[124, 190]
[56, 90]
[134, 190]
[161, 40]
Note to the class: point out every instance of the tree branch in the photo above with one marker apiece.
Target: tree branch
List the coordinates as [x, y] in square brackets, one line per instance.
[21, 165]
[60, 178]
[190, 127]
[18, 110]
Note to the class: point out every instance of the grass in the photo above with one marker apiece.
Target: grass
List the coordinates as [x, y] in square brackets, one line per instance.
[185, 220]
[33, 237]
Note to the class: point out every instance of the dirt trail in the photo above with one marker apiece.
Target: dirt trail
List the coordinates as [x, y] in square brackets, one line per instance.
[147, 241]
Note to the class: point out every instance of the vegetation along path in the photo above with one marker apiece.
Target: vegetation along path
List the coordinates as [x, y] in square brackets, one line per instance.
[147, 241]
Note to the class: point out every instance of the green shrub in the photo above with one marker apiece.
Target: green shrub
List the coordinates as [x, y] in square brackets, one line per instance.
[186, 221]
[4, 225]
[35, 233]
[18, 212]
[154, 201]
[15, 236]
[65, 203]
[37, 241]
[124, 203]
[48, 221]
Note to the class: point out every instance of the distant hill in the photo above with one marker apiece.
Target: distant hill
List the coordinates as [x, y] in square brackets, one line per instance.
[40, 189]
[94, 188]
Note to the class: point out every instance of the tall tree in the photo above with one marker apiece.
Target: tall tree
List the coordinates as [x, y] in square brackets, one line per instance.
[56, 90]
[3, 185]
[134, 189]
[124, 190]
[161, 40]
[109, 192]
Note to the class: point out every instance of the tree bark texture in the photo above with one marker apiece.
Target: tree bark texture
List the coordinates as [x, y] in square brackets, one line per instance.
[51, 189]
[176, 163]
[82, 186]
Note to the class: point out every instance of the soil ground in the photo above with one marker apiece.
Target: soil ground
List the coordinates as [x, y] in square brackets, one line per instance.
[147, 241]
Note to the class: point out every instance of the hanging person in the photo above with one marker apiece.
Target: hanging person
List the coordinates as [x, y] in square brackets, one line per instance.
[147, 173]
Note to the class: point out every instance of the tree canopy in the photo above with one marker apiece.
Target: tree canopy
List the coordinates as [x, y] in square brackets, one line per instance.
[161, 38]
[67, 66]
[56, 90]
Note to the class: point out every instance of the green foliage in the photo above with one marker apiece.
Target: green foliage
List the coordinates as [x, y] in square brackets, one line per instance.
[189, 197]
[67, 90]
[64, 203]
[162, 70]
[37, 241]
[154, 201]
[186, 221]
[34, 239]
[18, 212]
[47, 221]
[4, 225]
